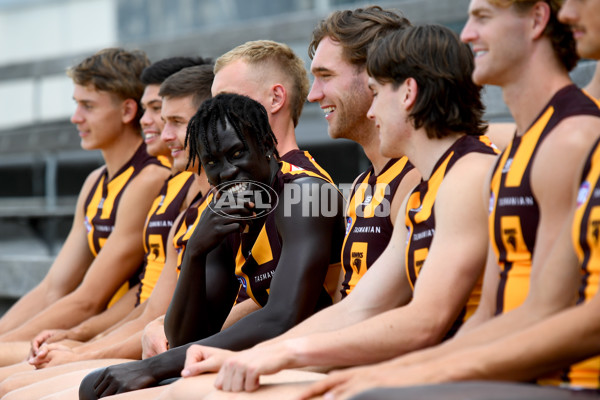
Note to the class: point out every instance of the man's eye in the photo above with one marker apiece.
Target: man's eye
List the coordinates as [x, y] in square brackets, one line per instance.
[237, 154]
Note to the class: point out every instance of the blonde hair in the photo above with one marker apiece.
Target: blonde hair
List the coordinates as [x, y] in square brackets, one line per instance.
[268, 54]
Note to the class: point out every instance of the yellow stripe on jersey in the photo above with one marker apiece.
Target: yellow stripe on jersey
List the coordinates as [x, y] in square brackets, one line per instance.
[425, 209]
[495, 188]
[91, 212]
[291, 169]
[432, 188]
[186, 231]
[176, 182]
[581, 210]
[317, 166]
[529, 142]
[114, 187]
[262, 254]
[164, 160]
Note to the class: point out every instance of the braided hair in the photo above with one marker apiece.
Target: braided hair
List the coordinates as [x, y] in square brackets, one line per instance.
[245, 116]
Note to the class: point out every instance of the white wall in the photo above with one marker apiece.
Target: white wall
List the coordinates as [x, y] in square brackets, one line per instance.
[45, 29]
[55, 27]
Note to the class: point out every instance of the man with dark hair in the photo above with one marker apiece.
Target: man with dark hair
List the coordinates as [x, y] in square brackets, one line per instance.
[520, 331]
[153, 76]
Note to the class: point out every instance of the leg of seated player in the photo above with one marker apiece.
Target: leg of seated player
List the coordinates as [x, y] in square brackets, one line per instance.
[282, 385]
[27, 377]
[13, 352]
[10, 370]
[48, 386]
[71, 393]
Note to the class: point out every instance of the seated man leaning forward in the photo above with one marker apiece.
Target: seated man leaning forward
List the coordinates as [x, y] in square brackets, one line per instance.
[272, 226]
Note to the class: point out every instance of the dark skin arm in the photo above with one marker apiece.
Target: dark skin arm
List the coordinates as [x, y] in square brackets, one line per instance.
[294, 291]
[207, 285]
[188, 317]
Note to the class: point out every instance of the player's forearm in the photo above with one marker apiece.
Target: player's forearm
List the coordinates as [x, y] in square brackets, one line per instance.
[130, 348]
[132, 316]
[188, 306]
[105, 320]
[377, 339]
[168, 364]
[496, 328]
[120, 335]
[255, 328]
[64, 314]
[552, 344]
[334, 317]
[24, 309]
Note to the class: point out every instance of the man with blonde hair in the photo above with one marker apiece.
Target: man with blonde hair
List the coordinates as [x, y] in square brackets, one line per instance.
[272, 74]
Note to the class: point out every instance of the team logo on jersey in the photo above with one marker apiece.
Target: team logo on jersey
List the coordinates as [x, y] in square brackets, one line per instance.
[101, 204]
[88, 225]
[237, 194]
[162, 199]
[242, 281]
[491, 203]
[510, 235]
[584, 191]
[348, 224]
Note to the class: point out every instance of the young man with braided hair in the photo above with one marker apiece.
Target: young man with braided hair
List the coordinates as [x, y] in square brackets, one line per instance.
[289, 278]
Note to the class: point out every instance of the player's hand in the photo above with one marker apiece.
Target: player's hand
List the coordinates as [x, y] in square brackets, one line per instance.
[154, 340]
[218, 220]
[46, 336]
[202, 359]
[241, 371]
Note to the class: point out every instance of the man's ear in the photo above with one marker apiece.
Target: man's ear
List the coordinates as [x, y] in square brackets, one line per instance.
[129, 109]
[278, 97]
[540, 16]
[410, 93]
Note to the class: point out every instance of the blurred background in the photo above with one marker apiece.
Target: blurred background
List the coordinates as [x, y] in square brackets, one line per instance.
[42, 166]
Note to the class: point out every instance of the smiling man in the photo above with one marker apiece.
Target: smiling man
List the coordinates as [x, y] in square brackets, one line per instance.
[530, 278]
[231, 136]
